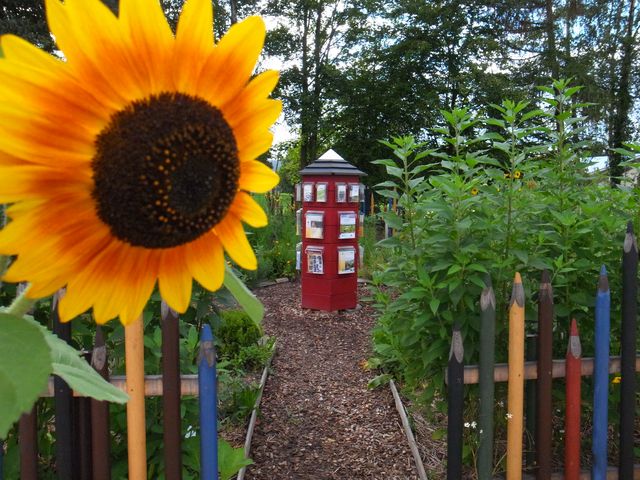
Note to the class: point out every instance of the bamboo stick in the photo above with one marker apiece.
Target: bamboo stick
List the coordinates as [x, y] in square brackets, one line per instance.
[100, 437]
[28, 442]
[136, 428]
[572, 414]
[516, 381]
[601, 377]
[487, 388]
[628, 352]
[66, 460]
[455, 401]
[172, 433]
[544, 385]
[208, 406]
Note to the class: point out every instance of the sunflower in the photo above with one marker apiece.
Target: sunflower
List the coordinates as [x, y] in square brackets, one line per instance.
[129, 161]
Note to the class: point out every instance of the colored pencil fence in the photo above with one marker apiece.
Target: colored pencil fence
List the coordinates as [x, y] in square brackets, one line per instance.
[82, 435]
[543, 370]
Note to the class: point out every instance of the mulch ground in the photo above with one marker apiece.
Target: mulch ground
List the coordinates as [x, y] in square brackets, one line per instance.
[317, 418]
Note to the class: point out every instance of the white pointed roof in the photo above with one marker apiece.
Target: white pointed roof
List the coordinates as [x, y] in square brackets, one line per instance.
[330, 163]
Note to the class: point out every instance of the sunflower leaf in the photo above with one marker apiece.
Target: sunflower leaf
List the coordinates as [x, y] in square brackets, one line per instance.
[74, 370]
[65, 361]
[25, 364]
[243, 295]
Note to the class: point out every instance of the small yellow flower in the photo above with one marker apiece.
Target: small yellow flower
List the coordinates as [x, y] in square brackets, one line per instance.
[474, 191]
[616, 379]
[517, 174]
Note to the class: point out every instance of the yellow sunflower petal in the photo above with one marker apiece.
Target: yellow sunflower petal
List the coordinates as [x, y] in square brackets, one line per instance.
[226, 72]
[140, 286]
[257, 177]
[254, 145]
[247, 209]
[149, 31]
[206, 261]
[174, 279]
[261, 117]
[194, 42]
[235, 243]
[258, 89]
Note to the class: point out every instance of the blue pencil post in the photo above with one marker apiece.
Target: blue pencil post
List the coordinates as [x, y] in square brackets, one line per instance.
[208, 406]
[601, 378]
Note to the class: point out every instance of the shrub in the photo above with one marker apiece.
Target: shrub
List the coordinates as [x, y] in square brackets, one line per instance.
[235, 332]
[498, 195]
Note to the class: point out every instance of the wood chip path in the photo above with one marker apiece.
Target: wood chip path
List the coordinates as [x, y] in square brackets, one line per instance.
[317, 419]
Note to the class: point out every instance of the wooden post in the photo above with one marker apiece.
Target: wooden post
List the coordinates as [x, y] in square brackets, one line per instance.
[516, 381]
[208, 406]
[82, 433]
[136, 427]
[172, 433]
[100, 437]
[545, 363]
[28, 441]
[487, 388]
[455, 374]
[66, 458]
[530, 391]
[572, 414]
[628, 353]
[601, 378]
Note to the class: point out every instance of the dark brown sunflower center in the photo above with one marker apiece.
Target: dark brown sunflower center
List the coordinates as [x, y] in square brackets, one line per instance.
[165, 171]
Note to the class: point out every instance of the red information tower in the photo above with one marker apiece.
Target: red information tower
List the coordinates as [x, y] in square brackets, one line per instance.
[330, 193]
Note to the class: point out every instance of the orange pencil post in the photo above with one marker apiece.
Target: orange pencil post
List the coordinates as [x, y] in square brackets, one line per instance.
[136, 428]
[516, 381]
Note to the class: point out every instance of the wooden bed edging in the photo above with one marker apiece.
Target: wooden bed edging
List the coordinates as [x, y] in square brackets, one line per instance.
[407, 431]
[254, 413]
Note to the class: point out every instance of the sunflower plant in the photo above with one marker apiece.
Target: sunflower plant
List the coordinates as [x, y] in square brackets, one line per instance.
[127, 162]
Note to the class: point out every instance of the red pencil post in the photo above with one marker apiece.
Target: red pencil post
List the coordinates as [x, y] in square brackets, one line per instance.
[572, 417]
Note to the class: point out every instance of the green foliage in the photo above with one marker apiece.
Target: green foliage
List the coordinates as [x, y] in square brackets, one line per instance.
[506, 193]
[236, 332]
[275, 244]
[231, 460]
[25, 364]
[251, 305]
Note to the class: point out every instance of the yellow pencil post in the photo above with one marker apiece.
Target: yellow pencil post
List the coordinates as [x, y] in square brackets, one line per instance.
[516, 381]
[136, 428]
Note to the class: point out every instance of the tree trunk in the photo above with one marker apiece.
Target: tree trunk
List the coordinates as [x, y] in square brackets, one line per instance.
[233, 11]
[551, 53]
[620, 124]
[316, 106]
[304, 98]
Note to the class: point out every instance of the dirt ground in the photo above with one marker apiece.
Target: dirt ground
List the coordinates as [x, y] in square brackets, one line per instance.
[317, 419]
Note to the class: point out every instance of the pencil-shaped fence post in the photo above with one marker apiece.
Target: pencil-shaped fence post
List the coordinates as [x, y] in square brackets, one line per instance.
[100, 437]
[572, 414]
[601, 378]
[28, 441]
[487, 388]
[66, 460]
[136, 425]
[545, 365]
[208, 406]
[516, 381]
[455, 381]
[628, 353]
[172, 432]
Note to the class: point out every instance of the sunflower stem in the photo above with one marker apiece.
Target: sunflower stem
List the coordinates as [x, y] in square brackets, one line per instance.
[21, 305]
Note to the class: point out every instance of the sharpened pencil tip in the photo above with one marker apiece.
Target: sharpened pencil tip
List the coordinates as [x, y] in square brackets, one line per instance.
[574, 328]
[603, 270]
[487, 281]
[629, 226]
[205, 334]
[517, 278]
